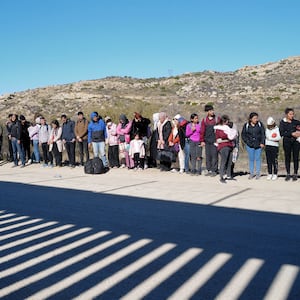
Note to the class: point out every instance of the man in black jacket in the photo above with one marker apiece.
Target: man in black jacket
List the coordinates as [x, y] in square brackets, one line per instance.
[15, 137]
[69, 138]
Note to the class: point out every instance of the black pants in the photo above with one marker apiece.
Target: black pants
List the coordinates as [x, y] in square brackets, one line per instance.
[137, 160]
[10, 150]
[113, 156]
[226, 160]
[211, 156]
[291, 148]
[46, 156]
[272, 159]
[26, 149]
[70, 147]
[83, 149]
[57, 155]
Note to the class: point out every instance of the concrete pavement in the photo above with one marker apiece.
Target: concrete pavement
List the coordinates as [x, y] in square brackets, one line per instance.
[146, 235]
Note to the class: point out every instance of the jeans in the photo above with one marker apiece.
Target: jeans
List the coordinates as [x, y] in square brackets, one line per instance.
[36, 150]
[254, 155]
[17, 149]
[99, 151]
[186, 150]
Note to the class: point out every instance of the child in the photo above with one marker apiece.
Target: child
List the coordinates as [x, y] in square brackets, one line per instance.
[137, 151]
[113, 143]
[272, 145]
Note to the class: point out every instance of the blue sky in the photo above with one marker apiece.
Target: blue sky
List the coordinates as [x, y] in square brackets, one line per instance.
[47, 42]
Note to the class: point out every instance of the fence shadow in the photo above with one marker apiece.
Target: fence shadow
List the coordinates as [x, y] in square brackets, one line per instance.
[240, 237]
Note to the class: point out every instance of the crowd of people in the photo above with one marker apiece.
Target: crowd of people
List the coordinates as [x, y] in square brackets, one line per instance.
[164, 143]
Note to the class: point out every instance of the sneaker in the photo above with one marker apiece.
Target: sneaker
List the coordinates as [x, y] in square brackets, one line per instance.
[251, 176]
[22, 166]
[174, 171]
[122, 166]
[213, 174]
[45, 165]
[230, 178]
[29, 161]
[181, 171]
[222, 180]
[274, 177]
[269, 177]
[295, 177]
[208, 173]
[288, 177]
[257, 176]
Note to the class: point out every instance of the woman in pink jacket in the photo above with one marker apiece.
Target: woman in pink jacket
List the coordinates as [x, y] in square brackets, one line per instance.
[123, 131]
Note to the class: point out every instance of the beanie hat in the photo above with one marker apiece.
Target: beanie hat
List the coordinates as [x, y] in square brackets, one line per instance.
[177, 117]
[270, 121]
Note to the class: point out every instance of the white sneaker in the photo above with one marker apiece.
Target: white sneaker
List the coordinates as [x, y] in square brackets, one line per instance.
[174, 171]
[269, 177]
[274, 177]
[181, 171]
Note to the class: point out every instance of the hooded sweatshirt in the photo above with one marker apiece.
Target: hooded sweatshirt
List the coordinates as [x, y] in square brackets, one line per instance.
[96, 130]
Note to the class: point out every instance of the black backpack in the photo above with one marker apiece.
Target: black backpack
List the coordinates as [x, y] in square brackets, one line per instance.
[94, 166]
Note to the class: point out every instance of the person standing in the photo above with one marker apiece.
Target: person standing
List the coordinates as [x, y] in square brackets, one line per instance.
[55, 143]
[25, 139]
[137, 151]
[113, 143]
[44, 134]
[124, 129]
[193, 134]
[96, 137]
[272, 146]
[208, 139]
[15, 137]
[288, 130]
[69, 138]
[81, 132]
[163, 131]
[253, 135]
[10, 155]
[1, 142]
[33, 131]
[224, 139]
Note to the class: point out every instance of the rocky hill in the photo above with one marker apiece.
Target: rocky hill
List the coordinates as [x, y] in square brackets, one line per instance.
[266, 88]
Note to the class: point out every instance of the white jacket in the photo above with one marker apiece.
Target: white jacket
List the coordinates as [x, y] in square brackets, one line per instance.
[273, 137]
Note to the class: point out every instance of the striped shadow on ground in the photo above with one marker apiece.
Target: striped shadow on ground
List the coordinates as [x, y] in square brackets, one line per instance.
[91, 265]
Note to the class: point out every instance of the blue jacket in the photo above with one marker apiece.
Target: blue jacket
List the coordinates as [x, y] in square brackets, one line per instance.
[96, 131]
[68, 131]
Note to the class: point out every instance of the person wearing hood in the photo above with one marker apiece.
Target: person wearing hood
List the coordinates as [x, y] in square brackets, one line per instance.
[69, 138]
[289, 131]
[96, 137]
[272, 146]
[123, 130]
[153, 142]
